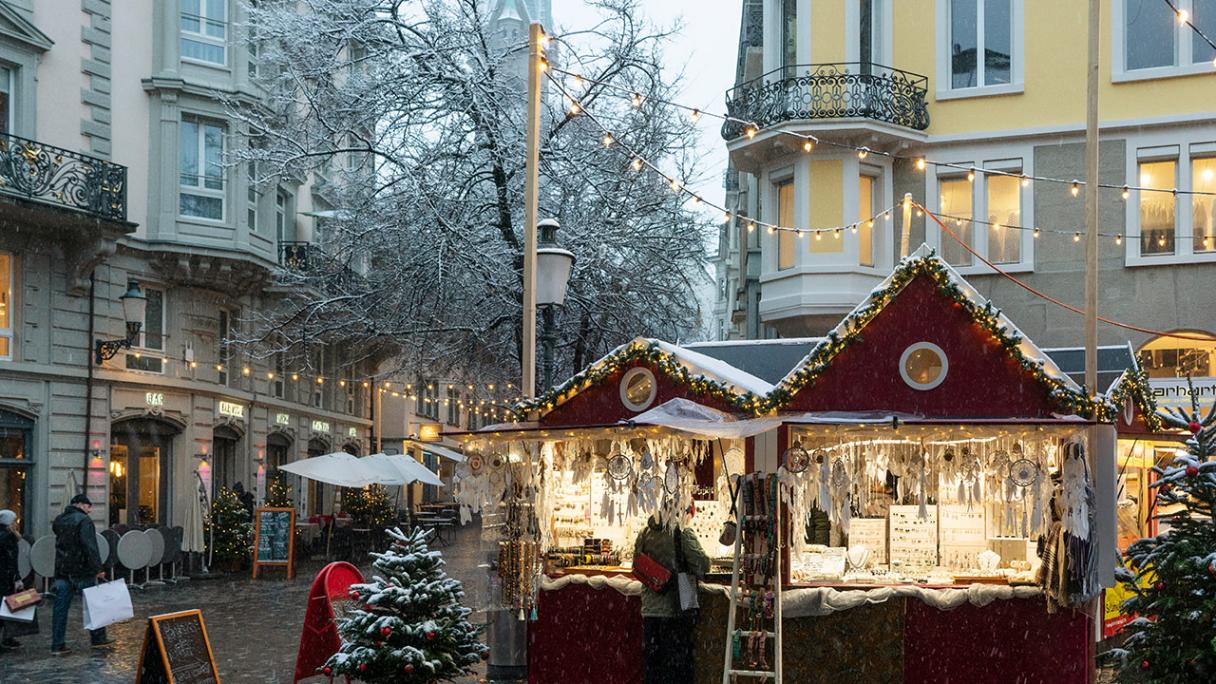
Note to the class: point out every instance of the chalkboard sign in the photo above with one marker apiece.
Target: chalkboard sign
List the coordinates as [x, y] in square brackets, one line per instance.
[177, 650]
[274, 538]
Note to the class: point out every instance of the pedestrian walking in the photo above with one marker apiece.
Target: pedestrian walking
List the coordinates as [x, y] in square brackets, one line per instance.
[10, 576]
[667, 632]
[77, 567]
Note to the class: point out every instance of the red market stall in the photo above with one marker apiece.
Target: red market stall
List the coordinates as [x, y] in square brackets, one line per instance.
[924, 446]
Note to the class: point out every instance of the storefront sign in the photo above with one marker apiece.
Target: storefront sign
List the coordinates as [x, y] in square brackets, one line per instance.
[282, 419]
[320, 426]
[352, 432]
[232, 409]
[429, 432]
[1175, 393]
[154, 398]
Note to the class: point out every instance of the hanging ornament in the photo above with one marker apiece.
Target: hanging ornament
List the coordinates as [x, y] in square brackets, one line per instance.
[1192, 471]
[476, 464]
[796, 459]
[1194, 426]
[620, 467]
[671, 479]
[1023, 472]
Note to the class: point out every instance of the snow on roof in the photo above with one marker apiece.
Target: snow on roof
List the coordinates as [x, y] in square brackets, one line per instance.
[1025, 346]
[754, 343]
[710, 367]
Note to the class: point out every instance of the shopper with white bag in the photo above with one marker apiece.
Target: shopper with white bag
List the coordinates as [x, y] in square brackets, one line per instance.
[77, 567]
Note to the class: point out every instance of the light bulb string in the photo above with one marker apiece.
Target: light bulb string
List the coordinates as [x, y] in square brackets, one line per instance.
[678, 185]
[1046, 297]
[1061, 231]
[1185, 19]
[754, 128]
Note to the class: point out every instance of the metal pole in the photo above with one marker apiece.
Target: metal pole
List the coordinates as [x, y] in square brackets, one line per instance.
[1091, 202]
[531, 193]
[548, 316]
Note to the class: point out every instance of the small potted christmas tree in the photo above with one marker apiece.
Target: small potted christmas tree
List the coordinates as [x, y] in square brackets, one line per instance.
[1173, 575]
[408, 625]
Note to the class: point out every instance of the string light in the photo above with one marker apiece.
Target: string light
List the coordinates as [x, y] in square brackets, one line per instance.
[1025, 181]
[1119, 239]
[219, 367]
[1036, 232]
[295, 377]
[320, 380]
[637, 164]
[1183, 16]
[1124, 193]
[269, 375]
[863, 152]
[750, 129]
[751, 227]
[725, 218]
[696, 115]
[808, 146]
[971, 175]
[1076, 187]
[1076, 237]
[607, 140]
[637, 100]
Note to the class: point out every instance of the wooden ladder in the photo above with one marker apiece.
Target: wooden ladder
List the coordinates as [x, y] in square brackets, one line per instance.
[758, 541]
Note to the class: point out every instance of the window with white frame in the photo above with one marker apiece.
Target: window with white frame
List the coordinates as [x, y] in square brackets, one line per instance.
[786, 239]
[868, 193]
[7, 280]
[6, 99]
[280, 216]
[201, 158]
[253, 196]
[151, 335]
[985, 210]
[1154, 37]
[204, 29]
[1171, 224]
[981, 49]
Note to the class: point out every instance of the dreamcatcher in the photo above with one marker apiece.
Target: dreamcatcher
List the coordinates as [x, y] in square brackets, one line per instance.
[796, 459]
[838, 486]
[970, 474]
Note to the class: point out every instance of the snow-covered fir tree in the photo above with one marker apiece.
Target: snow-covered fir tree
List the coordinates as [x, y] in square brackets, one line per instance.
[410, 626]
[414, 113]
[1173, 575]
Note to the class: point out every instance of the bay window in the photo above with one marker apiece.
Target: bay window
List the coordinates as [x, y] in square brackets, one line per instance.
[201, 154]
[1173, 227]
[204, 31]
[786, 239]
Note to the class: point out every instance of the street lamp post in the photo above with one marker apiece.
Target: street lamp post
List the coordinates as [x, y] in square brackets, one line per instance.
[134, 306]
[553, 266]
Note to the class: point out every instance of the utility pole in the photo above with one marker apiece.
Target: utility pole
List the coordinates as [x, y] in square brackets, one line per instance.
[1091, 202]
[536, 56]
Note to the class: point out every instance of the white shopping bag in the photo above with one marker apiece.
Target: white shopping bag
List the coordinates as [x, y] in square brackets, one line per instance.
[106, 604]
[24, 615]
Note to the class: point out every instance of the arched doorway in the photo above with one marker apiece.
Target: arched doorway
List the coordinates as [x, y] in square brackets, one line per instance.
[16, 453]
[278, 450]
[225, 445]
[141, 456]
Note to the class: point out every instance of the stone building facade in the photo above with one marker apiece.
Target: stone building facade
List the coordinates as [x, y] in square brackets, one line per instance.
[116, 109]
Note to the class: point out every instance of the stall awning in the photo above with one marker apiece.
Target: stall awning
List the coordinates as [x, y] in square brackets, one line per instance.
[440, 451]
[689, 416]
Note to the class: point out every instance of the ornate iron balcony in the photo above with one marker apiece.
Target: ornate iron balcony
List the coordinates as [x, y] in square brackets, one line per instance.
[63, 178]
[829, 91]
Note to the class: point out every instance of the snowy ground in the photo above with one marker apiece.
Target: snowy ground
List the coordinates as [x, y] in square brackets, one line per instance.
[254, 626]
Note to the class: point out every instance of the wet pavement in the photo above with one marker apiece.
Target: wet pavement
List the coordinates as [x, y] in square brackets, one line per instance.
[254, 625]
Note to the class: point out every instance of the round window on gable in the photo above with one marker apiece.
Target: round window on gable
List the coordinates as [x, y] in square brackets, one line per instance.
[923, 366]
[638, 389]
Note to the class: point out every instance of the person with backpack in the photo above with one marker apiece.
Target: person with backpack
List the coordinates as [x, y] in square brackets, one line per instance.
[77, 567]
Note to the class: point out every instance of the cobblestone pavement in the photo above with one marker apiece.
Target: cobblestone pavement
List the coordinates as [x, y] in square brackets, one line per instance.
[254, 626]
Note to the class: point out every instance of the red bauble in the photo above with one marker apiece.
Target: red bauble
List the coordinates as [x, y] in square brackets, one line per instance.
[408, 669]
[485, 655]
[379, 644]
[430, 636]
[385, 631]
[1194, 426]
[1212, 569]
[354, 595]
[1143, 664]
[327, 670]
[362, 667]
[1192, 471]
[1159, 586]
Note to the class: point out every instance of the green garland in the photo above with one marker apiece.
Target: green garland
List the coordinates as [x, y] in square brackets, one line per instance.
[628, 355]
[985, 315]
[1133, 384]
[1065, 398]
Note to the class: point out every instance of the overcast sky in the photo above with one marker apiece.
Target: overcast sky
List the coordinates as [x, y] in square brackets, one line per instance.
[704, 50]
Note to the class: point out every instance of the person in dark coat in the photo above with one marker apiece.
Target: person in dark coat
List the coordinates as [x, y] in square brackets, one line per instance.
[667, 634]
[10, 576]
[77, 567]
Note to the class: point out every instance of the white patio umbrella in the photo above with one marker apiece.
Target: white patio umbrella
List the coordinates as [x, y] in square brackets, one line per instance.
[193, 540]
[440, 451]
[343, 470]
[409, 469]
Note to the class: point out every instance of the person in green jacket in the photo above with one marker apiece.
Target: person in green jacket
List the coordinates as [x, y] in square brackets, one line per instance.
[667, 634]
